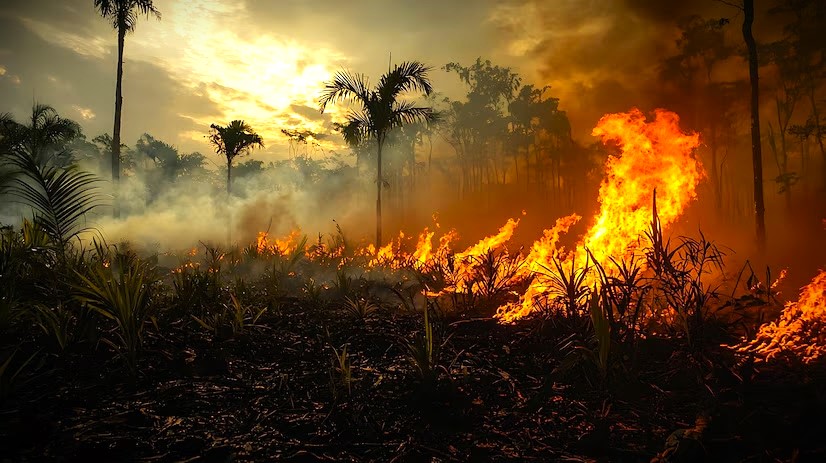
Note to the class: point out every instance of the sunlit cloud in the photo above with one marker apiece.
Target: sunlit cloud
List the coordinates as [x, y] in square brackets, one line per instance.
[522, 22]
[256, 79]
[95, 47]
[4, 74]
[85, 113]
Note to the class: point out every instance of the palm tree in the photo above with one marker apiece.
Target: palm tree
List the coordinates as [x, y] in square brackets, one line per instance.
[45, 136]
[234, 140]
[379, 110]
[60, 195]
[124, 16]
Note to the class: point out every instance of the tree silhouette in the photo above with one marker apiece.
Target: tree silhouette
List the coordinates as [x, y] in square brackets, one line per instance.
[700, 48]
[43, 176]
[45, 137]
[379, 110]
[236, 139]
[478, 126]
[124, 16]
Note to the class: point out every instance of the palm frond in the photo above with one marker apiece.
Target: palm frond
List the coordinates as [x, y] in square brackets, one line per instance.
[406, 112]
[345, 86]
[60, 197]
[357, 128]
[405, 77]
[123, 14]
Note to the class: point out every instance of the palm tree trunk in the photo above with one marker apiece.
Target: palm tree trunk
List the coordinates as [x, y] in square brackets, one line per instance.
[756, 149]
[378, 194]
[229, 206]
[116, 129]
[229, 177]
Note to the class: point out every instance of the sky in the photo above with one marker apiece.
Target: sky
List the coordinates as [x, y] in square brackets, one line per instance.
[212, 61]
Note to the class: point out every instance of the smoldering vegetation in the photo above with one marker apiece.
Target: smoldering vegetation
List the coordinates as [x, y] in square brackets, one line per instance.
[535, 294]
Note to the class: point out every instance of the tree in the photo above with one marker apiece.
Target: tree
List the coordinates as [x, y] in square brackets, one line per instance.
[236, 139]
[805, 46]
[45, 137]
[477, 127]
[747, 7]
[103, 145]
[124, 16]
[756, 148]
[379, 110]
[43, 176]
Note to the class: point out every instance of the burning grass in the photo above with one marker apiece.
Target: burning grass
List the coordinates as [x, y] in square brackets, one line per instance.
[800, 332]
[351, 343]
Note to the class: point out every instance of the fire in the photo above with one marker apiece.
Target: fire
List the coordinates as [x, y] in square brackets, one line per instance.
[424, 248]
[655, 156]
[656, 159]
[800, 331]
[280, 246]
[467, 262]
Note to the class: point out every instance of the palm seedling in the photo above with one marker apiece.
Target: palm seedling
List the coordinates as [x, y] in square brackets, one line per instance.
[344, 285]
[359, 309]
[288, 263]
[592, 353]
[122, 295]
[495, 273]
[232, 320]
[424, 351]
[314, 293]
[567, 287]
[623, 290]
[65, 326]
[341, 371]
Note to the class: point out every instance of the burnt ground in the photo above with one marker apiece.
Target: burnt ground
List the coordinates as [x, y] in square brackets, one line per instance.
[273, 394]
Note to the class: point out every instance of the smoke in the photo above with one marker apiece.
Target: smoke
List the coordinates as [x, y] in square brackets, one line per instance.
[178, 213]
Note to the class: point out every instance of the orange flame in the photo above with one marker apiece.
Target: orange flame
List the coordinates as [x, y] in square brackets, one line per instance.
[801, 329]
[492, 242]
[655, 155]
[281, 246]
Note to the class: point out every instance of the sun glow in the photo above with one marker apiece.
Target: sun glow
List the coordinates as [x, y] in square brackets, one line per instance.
[262, 78]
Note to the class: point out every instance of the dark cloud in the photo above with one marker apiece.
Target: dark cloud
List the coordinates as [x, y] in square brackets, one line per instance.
[667, 11]
[75, 15]
[310, 112]
[603, 55]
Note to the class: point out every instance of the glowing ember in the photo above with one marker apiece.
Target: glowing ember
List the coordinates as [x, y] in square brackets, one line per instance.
[800, 331]
[655, 155]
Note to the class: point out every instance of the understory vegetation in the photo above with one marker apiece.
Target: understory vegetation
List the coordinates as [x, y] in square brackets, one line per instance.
[320, 352]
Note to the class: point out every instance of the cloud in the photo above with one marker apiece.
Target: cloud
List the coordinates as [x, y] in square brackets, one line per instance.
[598, 55]
[95, 47]
[85, 113]
[76, 84]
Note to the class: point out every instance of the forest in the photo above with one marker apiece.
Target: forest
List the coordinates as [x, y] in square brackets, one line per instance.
[431, 274]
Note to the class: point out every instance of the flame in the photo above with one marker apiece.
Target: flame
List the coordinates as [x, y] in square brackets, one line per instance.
[800, 330]
[656, 159]
[281, 246]
[489, 243]
[655, 156]
[424, 248]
